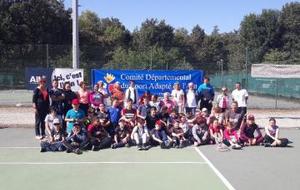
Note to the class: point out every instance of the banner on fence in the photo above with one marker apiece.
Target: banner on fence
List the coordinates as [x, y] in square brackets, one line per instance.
[156, 81]
[33, 75]
[74, 76]
[275, 71]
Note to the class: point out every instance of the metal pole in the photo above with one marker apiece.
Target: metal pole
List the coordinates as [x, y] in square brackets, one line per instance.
[276, 98]
[47, 55]
[222, 73]
[75, 60]
[246, 68]
[151, 60]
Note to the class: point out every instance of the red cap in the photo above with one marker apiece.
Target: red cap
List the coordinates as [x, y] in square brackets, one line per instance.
[250, 117]
[75, 101]
[158, 122]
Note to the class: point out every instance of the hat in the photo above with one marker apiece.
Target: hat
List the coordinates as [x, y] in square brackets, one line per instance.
[75, 101]
[204, 109]
[158, 122]
[191, 84]
[76, 123]
[56, 121]
[250, 117]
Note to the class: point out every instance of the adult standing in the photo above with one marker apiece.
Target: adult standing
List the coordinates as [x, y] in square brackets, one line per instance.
[103, 91]
[131, 93]
[96, 98]
[223, 100]
[57, 98]
[69, 96]
[191, 99]
[241, 97]
[178, 98]
[206, 93]
[117, 94]
[83, 96]
[40, 103]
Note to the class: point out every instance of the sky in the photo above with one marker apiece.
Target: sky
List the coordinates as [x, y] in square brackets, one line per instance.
[226, 14]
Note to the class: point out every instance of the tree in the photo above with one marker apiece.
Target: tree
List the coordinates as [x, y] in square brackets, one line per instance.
[290, 28]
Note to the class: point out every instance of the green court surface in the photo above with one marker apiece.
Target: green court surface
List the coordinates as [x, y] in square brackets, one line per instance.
[126, 168]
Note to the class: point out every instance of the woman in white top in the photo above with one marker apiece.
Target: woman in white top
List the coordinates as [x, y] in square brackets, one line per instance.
[178, 98]
[223, 100]
[191, 101]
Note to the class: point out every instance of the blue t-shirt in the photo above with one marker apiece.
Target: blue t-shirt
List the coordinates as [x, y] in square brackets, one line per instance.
[115, 115]
[72, 114]
[206, 91]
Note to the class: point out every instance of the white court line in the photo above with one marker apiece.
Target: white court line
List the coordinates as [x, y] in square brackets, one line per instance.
[218, 173]
[81, 163]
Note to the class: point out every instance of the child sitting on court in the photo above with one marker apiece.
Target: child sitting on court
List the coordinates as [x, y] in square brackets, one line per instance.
[177, 135]
[77, 140]
[160, 136]
[272, 135]
[200, 132]
[216, 132]
[231, 138]
[122, 136]
[56, 138]
[140, 134]
[99, 137]
[247, 132]
[184, 124]
[49, 125]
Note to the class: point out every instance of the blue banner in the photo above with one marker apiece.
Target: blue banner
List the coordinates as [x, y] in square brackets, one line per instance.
[33, 75]
[156, 81]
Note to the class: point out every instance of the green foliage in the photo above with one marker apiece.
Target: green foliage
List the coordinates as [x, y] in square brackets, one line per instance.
[271, 36]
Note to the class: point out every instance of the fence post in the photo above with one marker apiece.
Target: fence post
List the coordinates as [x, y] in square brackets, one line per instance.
[47, 55]
[276, 98]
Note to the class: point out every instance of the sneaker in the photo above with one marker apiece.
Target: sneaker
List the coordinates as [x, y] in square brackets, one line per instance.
[181, 145]
[43, 150]
[267, 145]
[236, 147]
[174, 145]
[68, 151]
[77, 151]
[139, 147]
[113, 146]
[95, 148]
[127, 145]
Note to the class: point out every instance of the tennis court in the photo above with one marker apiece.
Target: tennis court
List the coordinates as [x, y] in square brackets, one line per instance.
[24, 167]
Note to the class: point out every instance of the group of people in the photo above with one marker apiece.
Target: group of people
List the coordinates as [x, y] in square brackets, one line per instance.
[100, 118]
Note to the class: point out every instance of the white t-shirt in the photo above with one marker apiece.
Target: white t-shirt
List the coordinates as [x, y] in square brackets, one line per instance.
[191, 99]
[49, 120]
[240, 97]
[176, 94]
